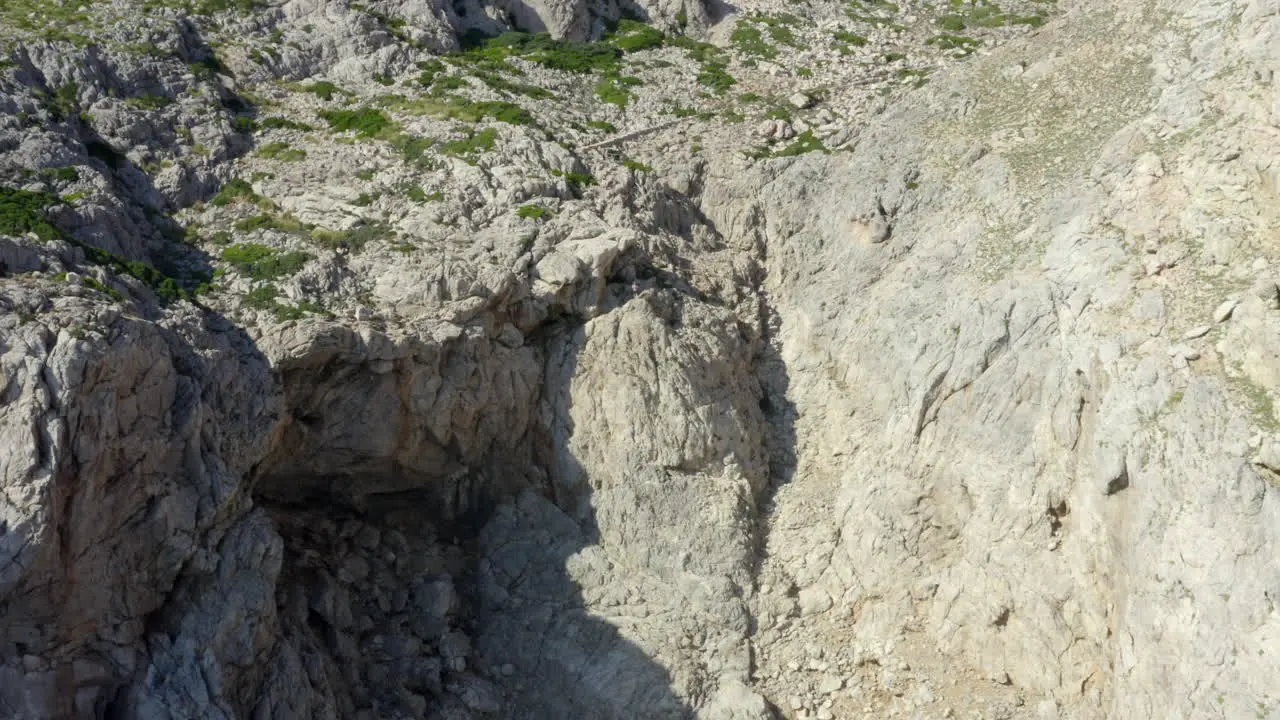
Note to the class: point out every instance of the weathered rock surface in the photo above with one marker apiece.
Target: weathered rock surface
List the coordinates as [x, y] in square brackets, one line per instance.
[862, 397]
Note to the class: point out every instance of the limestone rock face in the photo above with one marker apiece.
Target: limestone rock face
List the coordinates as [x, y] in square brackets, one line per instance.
[834, 369]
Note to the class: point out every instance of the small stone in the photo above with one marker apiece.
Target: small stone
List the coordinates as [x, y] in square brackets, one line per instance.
[73, 278]
[364, 314]
[825, 714]
[1197, 332]
[1223, 312]
[508, 670]
[800, 101]
[830, 684]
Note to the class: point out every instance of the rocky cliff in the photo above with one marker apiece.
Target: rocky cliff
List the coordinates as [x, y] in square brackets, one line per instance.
[666, 359]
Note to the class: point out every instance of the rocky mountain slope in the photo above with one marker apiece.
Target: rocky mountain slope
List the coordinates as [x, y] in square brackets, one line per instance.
[656, 359]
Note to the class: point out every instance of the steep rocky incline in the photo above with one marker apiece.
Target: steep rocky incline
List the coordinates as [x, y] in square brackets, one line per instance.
[643, 360]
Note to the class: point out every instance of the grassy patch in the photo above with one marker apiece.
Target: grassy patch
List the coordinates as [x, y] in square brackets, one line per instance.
[459, 108]
[962, 43]
[532, 212]
[281, 151]
[279, 123]
[602, 126]
[637, 166]
[470, 147]
[614, 89]
[281, 223]
[148, 102]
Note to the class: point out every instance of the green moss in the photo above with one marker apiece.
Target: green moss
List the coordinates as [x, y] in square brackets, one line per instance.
[602, 125]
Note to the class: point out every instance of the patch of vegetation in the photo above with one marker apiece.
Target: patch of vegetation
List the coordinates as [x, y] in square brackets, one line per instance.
[966, 14]
[532, 212]
[260, 262]
[630, 36]
[430, 69]
[208, 68]
[414, 149]
[366, 199]
[281, 151]
[966, 45]
[279, 123]
[415, 193]
[576, 180]
[233, 191]
[602, 126]
[324, 90]
[458, 108]
[805, 142]
[471, 146]
[614, 89]
[916, 77]
[637, 166]
[364, 121]
[748, 34]
[266, 221]
[148, 102]
[23, 212]
[354, 239]
[212, 7]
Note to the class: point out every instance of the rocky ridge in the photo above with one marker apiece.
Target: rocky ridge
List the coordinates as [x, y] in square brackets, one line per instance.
[872, 360]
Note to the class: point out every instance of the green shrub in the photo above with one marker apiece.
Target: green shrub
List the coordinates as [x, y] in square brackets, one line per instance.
[233, 190]
[602, 125]
[637, 166]
[354, 239]
[613, 89]
[281, 151]
[23, 212]
[576, 180]
[475, 144]
[262, 297]
[148, 102]
[532, 212]
[279, 123]
[268, 222]
[260, 262]
[365, 121]
[631, 36]
[324, 89]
